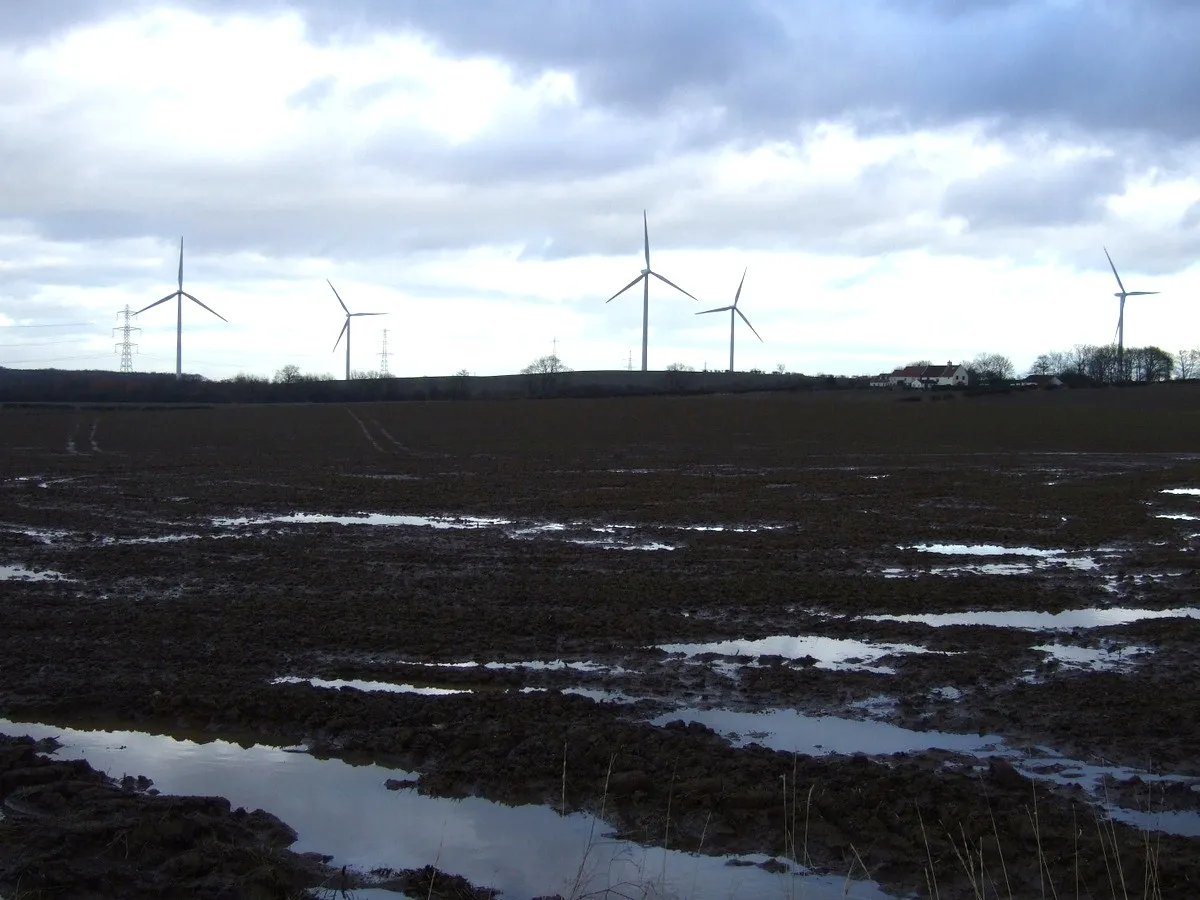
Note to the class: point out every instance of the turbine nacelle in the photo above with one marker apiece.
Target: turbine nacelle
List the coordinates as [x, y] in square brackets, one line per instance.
[733, 311]
[179, 294]
[346, 325]
[644, 277]
[1122, 295]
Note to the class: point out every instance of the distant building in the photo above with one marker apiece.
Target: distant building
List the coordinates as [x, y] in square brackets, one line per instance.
[1042, 381]
[922, 377]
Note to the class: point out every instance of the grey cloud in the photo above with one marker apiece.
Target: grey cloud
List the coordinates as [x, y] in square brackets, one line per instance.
[1124, 64]
[770, 65]
[1027, 193]
[1191, 216]
[313, 94]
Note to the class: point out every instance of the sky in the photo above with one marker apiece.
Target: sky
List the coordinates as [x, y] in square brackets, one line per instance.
[899, 179]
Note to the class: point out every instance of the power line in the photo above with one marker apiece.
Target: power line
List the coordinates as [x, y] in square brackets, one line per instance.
[126, 346]
[46, 343]
[57, 325]
[383, 356]
[24, 362]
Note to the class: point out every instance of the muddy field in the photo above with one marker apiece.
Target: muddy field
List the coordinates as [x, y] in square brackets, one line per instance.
[778, 645]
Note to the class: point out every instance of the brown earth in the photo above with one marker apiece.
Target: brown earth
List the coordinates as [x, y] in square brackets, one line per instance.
[188, 633]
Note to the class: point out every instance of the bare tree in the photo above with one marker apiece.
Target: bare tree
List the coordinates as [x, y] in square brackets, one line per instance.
[680, 367]
[288, 375]
[1187, 364]
[1149, 363]
[990, 367]
[545, 365]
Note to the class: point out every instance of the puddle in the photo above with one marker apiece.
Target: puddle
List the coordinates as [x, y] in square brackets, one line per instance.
[948, 692]
[791, 731]
[1184, 517]
[43, 535]
[1039, 560]
[1015, 568]
[1094, 659]
[981, 550]
[360, 685]
[1039, 621]
[740, 529]
[377, 519]
[613, 544]
[1091, 778]
[591, 693]
[829, 653]
[345, 811]
[1193, 492]
[556, 665]
[20, 573]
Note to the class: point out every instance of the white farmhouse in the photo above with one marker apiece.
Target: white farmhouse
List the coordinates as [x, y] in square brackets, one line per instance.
[922, 377]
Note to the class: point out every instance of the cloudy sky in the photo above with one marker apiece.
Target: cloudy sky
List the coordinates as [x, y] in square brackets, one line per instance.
[904, 179]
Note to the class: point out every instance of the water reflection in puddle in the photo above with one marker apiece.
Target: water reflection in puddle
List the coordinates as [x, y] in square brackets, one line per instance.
[345, 811]
[1194, 492]
[1037, 621]
[982, 550]
[1040, 559]
[791, 731]
[360, 685]
[1094, 659]
[829, 653]
[376, 519]
[1183, 517]
[20, 573]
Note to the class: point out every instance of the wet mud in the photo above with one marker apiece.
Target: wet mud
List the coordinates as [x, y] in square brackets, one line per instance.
[516, 599]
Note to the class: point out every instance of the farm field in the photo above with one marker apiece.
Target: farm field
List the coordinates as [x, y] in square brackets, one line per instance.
[819, 645]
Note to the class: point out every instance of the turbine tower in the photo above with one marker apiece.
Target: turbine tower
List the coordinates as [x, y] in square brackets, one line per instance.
[733, 311]
[346, 328]
[645, 279]
[1121, 295]
[179, 295]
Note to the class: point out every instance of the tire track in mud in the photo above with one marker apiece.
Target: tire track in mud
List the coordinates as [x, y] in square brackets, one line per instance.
[71, 449]
[387, 435]
[92, 436]
[365, 432]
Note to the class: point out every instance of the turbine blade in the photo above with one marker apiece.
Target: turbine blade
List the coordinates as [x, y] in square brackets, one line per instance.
[170, 296]
[673, 284]
[646, 232]
[624, 289]
[1114, 268]
[1140, 293]
[738, 295]
[747, 321]
[345, 325]
[336, 294]
[718, 309]
[210, 309]
[181, 264]
[368, 314]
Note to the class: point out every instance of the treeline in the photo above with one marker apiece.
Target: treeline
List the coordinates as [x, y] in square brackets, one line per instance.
[1102, 364]
[54, 386]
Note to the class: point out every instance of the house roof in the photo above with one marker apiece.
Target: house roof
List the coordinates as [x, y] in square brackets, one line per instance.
[946, 371]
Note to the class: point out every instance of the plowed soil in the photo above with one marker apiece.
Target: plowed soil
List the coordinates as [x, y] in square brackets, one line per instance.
[623, 525]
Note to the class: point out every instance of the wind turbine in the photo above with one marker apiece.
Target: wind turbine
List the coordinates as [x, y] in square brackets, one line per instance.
[1121, 295]
[645, 279]
[179, 295]
[346, 328]
[733, 311]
